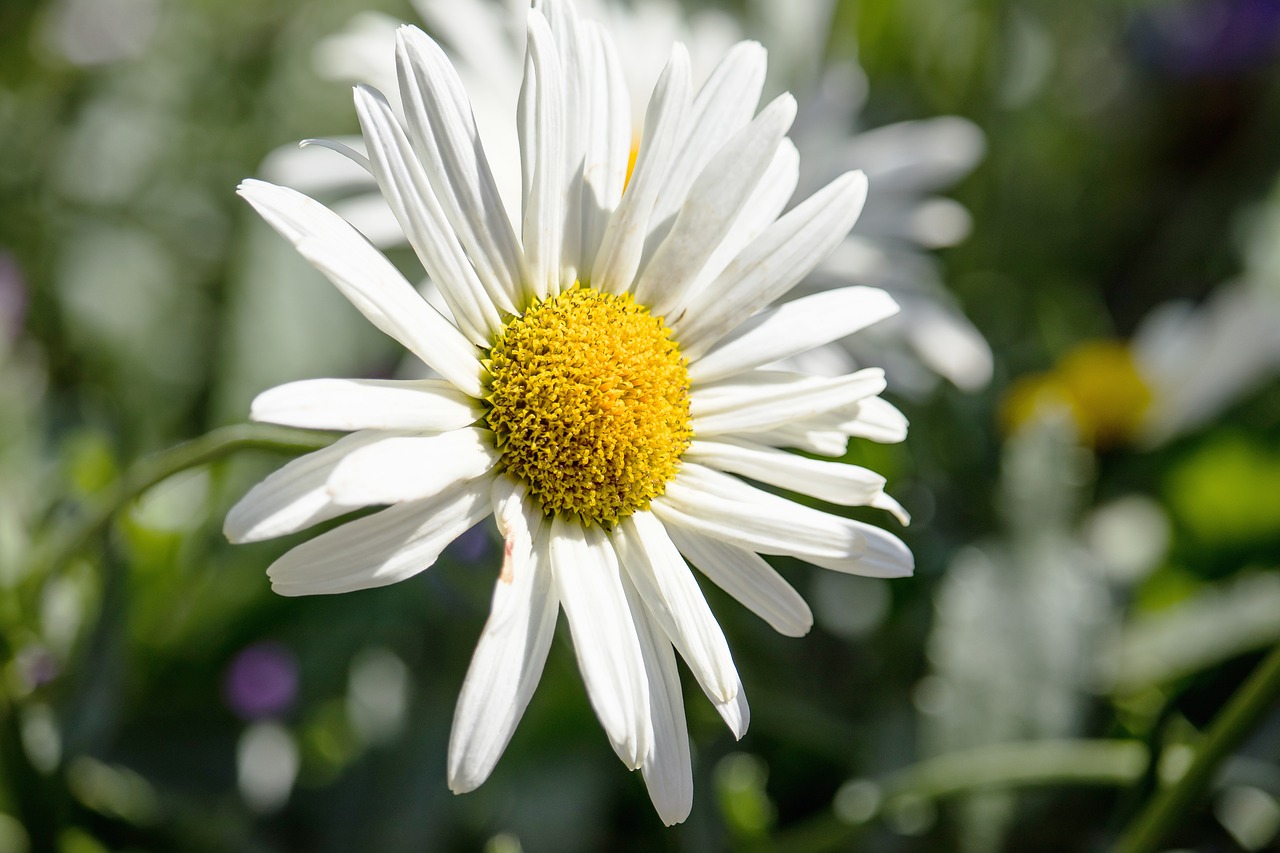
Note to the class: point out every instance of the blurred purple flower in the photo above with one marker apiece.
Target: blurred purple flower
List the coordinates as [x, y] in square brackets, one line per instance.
[472, 546]
[1208, 38]
[262, 681]
[13, 297]
[37, 666]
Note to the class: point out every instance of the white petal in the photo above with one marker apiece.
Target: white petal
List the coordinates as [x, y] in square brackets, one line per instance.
[890, 505]
[724, 105]
[761, 210]
[408, 192]
[749, 579]
[608, 142]
[767, 399]
[444, 135]
[369, 280]
[383, 548]
[801, 436]
[542, 127]
[736, 713]
[876, 419]
[589, 585]
[574, 52]
[837, 482]
[886, 556]
[711, 208]
[351, 404]
[294, 497]
[725, 508]
[667, 768]
[411, 467]
[505, 668]
[623, 243]
[672, 595]
[783, 255]
[793, 328]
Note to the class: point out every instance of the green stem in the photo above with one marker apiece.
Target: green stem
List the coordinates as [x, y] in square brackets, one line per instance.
[1237, 719]
[150, 470]
[995, 767]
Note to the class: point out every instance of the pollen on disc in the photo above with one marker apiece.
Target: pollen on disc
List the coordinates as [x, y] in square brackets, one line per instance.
[589, 404]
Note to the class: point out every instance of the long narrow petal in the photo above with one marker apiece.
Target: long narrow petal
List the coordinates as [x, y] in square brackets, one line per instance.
[575, 55]
[506, 666]
[411, 467]
[589, 585]
[725, 508]
[667, 769]
[351, 404]
[408, 192]
[766, 399]
[294, 497]
[736, 713]
[793, 328]
[443, 131]
[623, 243]
[783, 255]
[383, 548]
[723, 106]
[877, 419]
[608, 142]
[711, 208]
[886, 556]
[672, 595]
[368, 279]
[837, 482]
[749, 579]
[542, 128]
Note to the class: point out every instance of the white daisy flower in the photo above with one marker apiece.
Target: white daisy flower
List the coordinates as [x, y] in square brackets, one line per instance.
[907, 162]
[602, 384]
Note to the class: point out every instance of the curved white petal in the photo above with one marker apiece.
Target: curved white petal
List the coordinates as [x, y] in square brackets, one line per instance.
[837, 482]
[886, 556]
[351, 404]
[792, 328]
[575, 56]
[736, 713]
[877, 419]
[667, 768]
[411, 467]
[783, 255]
[622, 246]
[672, 595]
[295, 496]
[723, 106]
[444, 135]
[763, 400]
[541, 122]
[507, 663]
[383, 548]
[368, 279]
[746, 576]
[589, 585]
[725, 508]
[711, 208]
[408, 192]
[608, 142]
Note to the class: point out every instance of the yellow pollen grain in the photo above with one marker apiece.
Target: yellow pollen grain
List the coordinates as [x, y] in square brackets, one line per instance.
[589, 404]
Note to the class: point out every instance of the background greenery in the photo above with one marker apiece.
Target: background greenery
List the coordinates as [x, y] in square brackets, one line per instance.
[1096, 606]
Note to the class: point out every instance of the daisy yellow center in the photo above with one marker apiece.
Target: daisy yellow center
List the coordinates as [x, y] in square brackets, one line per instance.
[589, 404]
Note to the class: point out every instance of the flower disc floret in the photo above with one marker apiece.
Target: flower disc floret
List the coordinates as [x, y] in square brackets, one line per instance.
[589, 404]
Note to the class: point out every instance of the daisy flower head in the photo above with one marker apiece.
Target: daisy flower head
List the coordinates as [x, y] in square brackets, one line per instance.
[604, 382]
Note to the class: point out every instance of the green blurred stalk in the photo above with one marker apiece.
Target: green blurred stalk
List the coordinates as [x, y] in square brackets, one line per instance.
[151, 470]
[1171, 804]
[999, 766]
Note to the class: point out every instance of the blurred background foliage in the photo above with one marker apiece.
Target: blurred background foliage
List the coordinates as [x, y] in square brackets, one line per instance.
[1085, 589]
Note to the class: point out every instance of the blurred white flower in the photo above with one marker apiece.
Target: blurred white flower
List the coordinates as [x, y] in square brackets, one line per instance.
[907, 163]
[603, 380]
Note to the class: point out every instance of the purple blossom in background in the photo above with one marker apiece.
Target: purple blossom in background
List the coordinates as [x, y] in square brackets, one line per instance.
[13, 297]
[472, 546]
[37, 665]
[262, 681]
[1208, 38]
